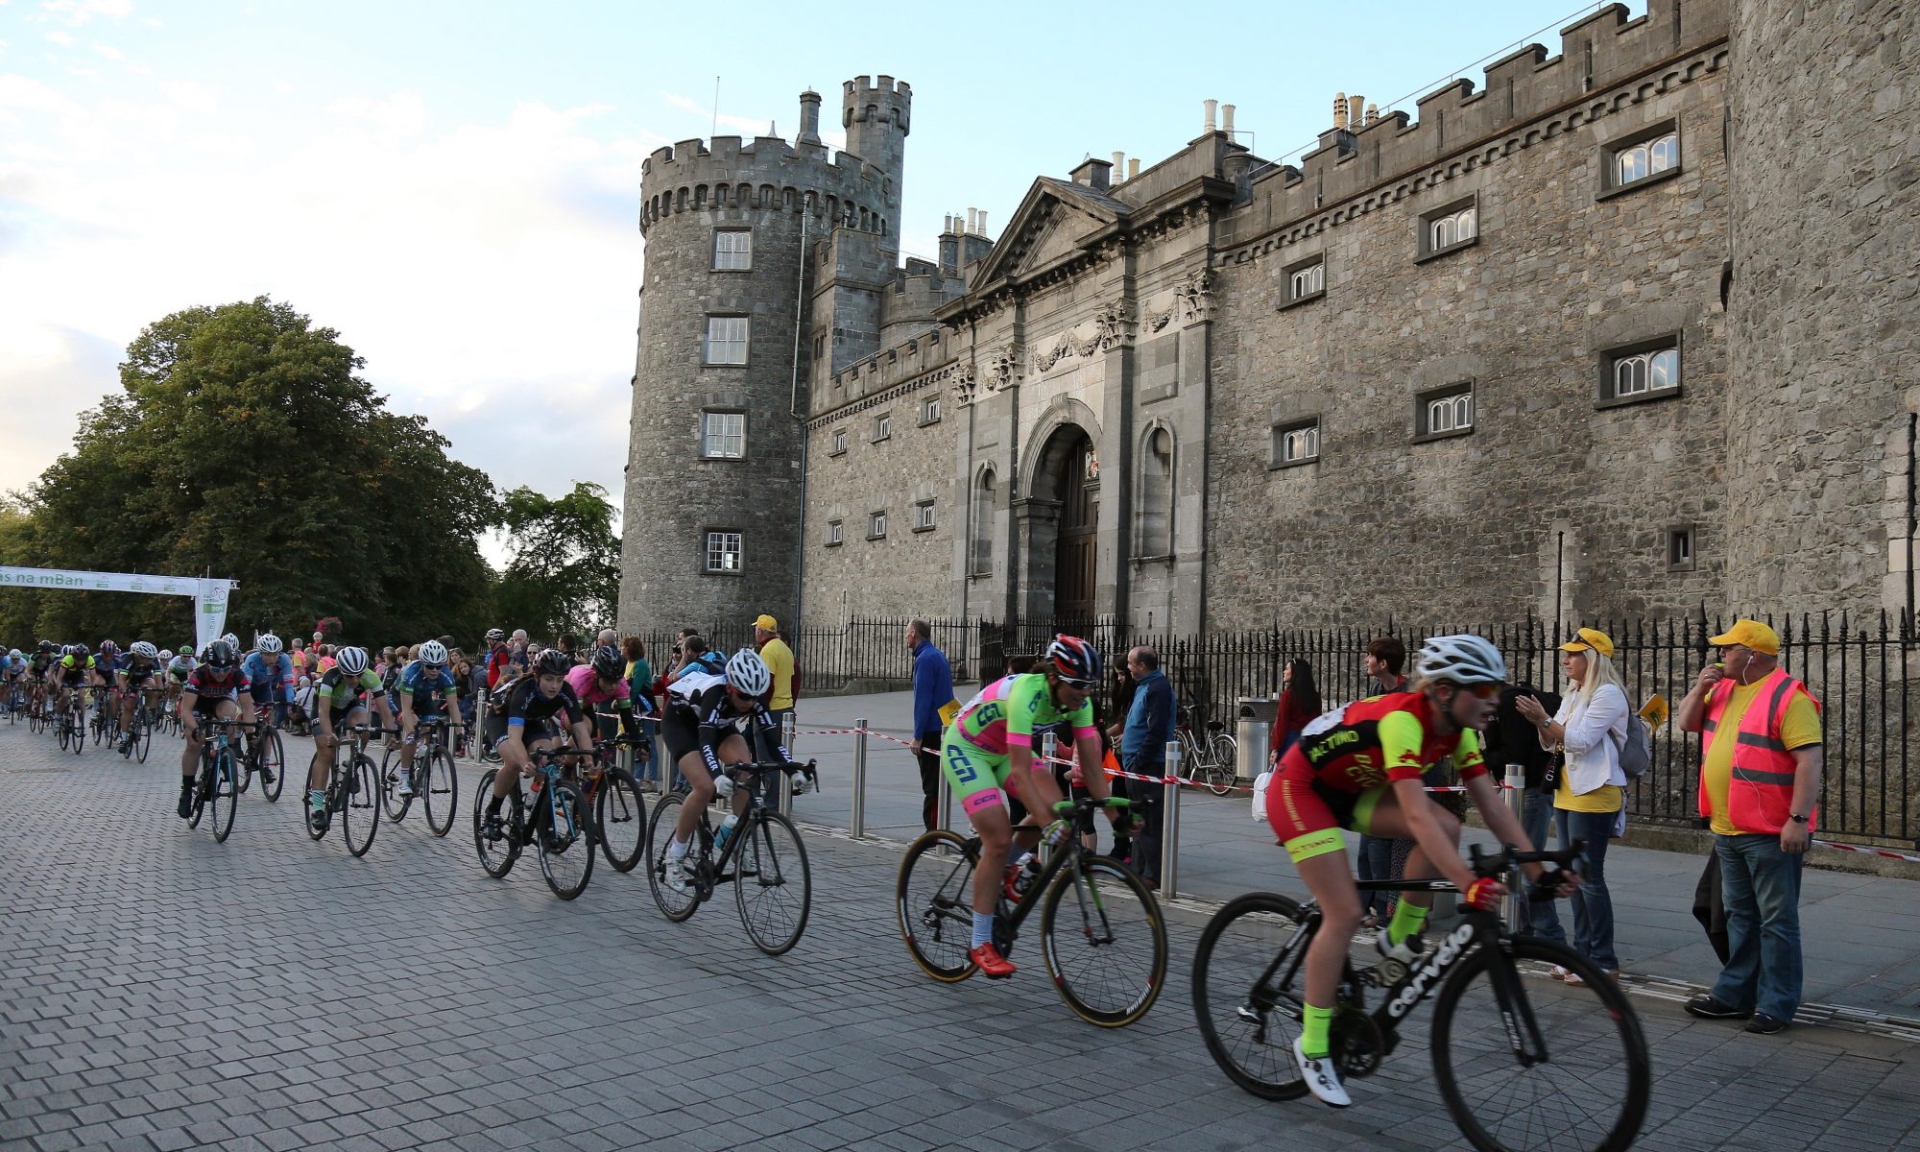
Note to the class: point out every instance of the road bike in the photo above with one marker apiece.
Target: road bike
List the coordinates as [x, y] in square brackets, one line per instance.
[432, 780]
[216, 792]
[1210, 758]
[1101, 932]
[762, 857]
[619, 811]
[140, 735]
[266, 757]
[72, 723]
[352, 790]
[106, 717]
[1520, 1068]
[554, 819]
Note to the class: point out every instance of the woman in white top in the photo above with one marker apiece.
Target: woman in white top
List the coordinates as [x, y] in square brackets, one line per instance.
[1589, 729]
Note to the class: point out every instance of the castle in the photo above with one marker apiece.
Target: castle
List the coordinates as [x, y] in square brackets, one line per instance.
[1629, 327]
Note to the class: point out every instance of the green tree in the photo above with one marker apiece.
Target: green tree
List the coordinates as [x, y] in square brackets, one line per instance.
[244, 445]
[565, 571]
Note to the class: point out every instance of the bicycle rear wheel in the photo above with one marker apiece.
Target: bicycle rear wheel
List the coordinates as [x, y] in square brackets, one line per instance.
[933, 902]
[1248, 992]
[390, 778]
[442, 791]
[273, 765]
[565, 840]
[226, 795]
[1223, 751]
[143, 736]
[675, 906]
[360, 812]
[496, 856]
[1109, 956]
[772, 883]
[1584, 1083]
[620, 819]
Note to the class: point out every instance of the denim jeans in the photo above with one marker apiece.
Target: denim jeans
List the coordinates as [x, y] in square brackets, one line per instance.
[1376, 863]
[1592, 904]
[1761, 887]
[1536, 817]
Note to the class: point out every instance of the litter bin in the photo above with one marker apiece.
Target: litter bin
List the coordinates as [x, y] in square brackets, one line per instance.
[1254, 733]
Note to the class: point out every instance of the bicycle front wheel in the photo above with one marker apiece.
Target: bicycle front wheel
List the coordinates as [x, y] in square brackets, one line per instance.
[676, 905]
[273, 765]
[391, 774]
[1248, 992]
[1104, 942]
[143, 737]
[360, 810]
[226, 796]
[497, 852]
[933, 901]
[1529, 1066]
[565, 840]
[443, 790]
[620, 819]
[772, 884]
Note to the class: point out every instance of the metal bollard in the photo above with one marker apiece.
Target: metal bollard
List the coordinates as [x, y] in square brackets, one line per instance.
[857, 817]
[1049, 745]
[1516, 901]
[946, 803]
[786, 794]
[1170, 823]
[787, 729]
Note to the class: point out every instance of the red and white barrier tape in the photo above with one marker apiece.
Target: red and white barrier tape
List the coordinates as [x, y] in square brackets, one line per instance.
[1886, 852]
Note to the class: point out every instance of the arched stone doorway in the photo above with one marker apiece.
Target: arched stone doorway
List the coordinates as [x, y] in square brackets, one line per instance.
[1062, 514]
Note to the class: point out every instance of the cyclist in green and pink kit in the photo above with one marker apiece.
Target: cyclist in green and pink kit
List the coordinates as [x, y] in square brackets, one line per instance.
[989, 746]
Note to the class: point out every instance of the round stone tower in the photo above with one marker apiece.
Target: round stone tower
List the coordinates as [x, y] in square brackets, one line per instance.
[712, 527]
[1825, 183]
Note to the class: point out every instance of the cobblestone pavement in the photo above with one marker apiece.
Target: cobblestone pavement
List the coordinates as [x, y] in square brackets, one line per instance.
[163, 991]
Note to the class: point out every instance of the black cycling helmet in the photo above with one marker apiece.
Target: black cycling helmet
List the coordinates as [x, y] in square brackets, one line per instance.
[608, 664]
[44, 646]
[219, 655]
[79, 652]
[553, 662]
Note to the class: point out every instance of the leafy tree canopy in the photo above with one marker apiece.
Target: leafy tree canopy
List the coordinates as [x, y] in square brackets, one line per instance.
[565, 571]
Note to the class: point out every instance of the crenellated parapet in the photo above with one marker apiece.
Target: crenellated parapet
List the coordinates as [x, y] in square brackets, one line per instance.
[765, 174]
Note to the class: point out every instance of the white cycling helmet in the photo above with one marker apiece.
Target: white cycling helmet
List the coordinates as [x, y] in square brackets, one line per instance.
[165, 654]
[232, 641]
[747, 673]
[145, 650]
[351, 661]
[1462, 659]
[431, 652]
[269, 645]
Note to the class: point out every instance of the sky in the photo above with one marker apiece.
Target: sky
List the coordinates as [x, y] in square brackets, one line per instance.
[454, 186]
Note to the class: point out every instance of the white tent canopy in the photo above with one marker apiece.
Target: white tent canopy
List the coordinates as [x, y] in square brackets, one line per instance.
[210, 595]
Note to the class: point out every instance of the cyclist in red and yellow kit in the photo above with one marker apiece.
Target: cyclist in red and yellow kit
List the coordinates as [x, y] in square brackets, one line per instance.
[1359, 767]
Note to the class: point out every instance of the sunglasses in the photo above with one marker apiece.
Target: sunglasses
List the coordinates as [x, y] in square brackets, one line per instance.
[1481, 691]
[1078, 685]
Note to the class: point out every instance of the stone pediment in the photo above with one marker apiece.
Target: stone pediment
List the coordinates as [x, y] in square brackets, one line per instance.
[1052, 225]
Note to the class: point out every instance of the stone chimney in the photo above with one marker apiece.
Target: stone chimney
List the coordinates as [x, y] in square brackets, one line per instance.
[809, 117]
[1093, 174]
[1356, 109]
[1119, 167]
[1340, 110]
[950, 247]
[1208, 129]
[1226, 119]
[1133, 168]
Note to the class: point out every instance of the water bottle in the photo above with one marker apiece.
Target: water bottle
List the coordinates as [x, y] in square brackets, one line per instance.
[726, 831]
[1028, 867]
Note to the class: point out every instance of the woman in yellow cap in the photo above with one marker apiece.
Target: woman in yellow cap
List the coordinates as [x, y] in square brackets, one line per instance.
[1589, 729]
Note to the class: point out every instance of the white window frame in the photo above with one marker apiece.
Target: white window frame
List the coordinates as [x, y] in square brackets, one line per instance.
[730, 439]
[1298, 443]
[930, 409]
[1645, 159]
[1451, 413]
[839, 442]
[923, 516]
[1307, 281]
[721, 544]
[1448, 229]
[728, 336]
[877, 525]
[836, 531]
[732, 249]
[1636, 374]
[883, 427]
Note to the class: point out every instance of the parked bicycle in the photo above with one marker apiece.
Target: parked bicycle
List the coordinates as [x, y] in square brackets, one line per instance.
[1209, 758]
[1519, 1066]
[1101, 932]
[216, 793]
[761, 856]
[352, 791]
[554, 819]
[432, 780]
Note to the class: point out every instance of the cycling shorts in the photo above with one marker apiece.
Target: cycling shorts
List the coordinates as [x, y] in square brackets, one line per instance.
[208, 707]
[1307, 816]
[977, 778]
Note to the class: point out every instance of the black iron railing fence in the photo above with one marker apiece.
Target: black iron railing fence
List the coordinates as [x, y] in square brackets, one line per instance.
[1857, 668]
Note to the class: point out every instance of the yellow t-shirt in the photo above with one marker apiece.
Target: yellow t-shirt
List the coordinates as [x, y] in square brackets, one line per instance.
[779, 661]
[1605, 798]
[1800, 728]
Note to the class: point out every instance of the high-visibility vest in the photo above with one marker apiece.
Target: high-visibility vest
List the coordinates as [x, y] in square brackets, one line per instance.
[1760, 795]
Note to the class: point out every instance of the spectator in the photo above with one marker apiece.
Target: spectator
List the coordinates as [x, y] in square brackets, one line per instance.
[1759, 777]
[518, 656]
[302, 663]
[462, 670]
[696, 657]
[1143, 750]
[1299, 703]
[1119, 703]
[1386, 657]
[1513, 739]
[1589, 728]
[640, 687]
[932, 692]
[608, 638]
[779, 661]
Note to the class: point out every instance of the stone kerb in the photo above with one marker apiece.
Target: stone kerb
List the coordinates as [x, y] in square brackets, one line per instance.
[766, 173]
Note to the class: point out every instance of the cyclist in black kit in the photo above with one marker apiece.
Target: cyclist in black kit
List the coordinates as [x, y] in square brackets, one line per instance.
[541, 708]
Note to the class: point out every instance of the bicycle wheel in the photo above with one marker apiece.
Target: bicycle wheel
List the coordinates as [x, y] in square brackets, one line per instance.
[675, 906]
[443, 791]
[390, 771]
[1583, 1083]
[244, 762]
[496, 855]
[1247, 992]
[565, 840]
[933, 902]
[620, 819]
[202, 787]
[1223, 753]
[772, 883]
[226, 795]
[273, 765]
[360, 813]
[1109, 958]
[143, 736]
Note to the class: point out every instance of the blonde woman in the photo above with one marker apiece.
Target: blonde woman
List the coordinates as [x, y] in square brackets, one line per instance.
[1589, 729]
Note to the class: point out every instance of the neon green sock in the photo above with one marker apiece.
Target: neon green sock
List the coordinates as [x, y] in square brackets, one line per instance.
[1314, 1023]
[1408, 919]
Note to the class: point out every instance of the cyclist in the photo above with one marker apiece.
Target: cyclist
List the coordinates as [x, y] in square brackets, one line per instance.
[345, 690]
[603, 680]
[217, 688]
[138, 677]
[14, 675]
[179, 667]
[104, 680]
[74, 673]
[988, 748]
[535, 709]
[1359, 767]
[40, 670]
[271, 671]
[424, 686]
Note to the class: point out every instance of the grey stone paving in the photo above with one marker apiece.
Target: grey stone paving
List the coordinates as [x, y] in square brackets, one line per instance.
[162, 991]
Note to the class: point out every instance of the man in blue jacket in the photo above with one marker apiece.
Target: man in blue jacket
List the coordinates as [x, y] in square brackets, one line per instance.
[1143, 749]
[932, 691]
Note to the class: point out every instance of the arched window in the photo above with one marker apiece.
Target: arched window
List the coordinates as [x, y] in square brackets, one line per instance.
[1156, 495]
[980, 561]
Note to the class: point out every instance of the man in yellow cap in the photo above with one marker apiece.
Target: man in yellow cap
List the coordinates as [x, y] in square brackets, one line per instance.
[779, 661]
[1759, 779]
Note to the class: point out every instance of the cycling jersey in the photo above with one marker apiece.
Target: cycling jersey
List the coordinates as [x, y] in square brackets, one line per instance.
[267, 677]
[1010, 711]
[139, 671]
[586, 685]
[700, 715]
[181, 667]
[203, 685]
[72, 671]
[342, 692]
[527, 707]
[413, 681]
[38, 664]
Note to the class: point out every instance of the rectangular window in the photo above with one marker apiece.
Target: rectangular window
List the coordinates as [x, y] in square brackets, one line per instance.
[723, 552]
[1643, 158]
[726, 340]
[819, 347]
[732, 250]
[1644, 372]
[1449, 228]
[930, 410]
[1680, 549]
[723, 435]
[876, 525]
[1297, 443]
[923, 516]
[1444, 412]
[839, 442]
[1306, 281]
[836, 532]
[882, 426]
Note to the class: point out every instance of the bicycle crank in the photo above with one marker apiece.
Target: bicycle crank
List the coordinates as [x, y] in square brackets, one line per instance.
[1357, 1042]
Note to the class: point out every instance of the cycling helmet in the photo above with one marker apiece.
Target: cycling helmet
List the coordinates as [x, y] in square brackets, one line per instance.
[269, 645]
[1078, 662]
[494, 635]
[78, 652]
[748, 674]
[145, 650]
[608, 663]
[165, 654]
[552, 662]
[233, 641]
[109, 648]
[220, 654]
[432, 652]
[1462, 659]
[44, 646]
[17, 654]
[352, 661]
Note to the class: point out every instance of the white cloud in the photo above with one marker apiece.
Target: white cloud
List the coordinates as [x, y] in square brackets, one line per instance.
[282, 86]
[191, 96]
[61, 38]
[78, 12]
[743, 125]
[109, 51]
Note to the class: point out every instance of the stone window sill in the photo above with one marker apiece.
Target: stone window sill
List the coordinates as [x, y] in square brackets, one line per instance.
[723, 572]
[1643, 182]
[1430, 437]
[1449, 250]
[927, 528]
[1307, 299]
[1647, 397]
[1300, 463]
